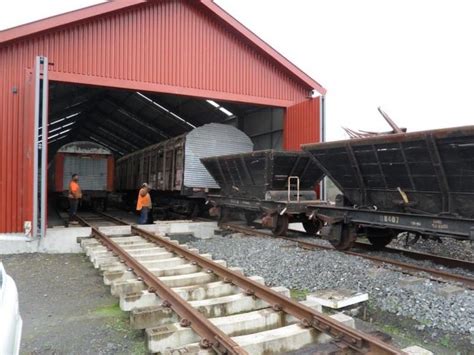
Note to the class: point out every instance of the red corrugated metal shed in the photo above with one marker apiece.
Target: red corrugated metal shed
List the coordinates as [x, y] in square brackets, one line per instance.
[183, 47]
[298, 125]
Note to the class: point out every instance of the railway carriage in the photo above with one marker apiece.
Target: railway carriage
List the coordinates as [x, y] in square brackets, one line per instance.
[95, 166]
[420, 183]
[178, 179]
[272, 185]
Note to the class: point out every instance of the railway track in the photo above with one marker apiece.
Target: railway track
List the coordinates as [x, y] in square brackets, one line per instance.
[187, 302]
[434, 274]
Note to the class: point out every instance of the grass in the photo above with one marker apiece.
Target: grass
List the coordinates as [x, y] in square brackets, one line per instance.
[298, 294]
[393, 330]
[109, 311]
[139, 349]
[446, 341]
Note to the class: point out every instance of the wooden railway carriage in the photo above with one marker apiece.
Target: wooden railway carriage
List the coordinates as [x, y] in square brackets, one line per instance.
[179, 180]
[95, 166]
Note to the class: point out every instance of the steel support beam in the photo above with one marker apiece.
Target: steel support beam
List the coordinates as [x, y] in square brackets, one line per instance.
[98, 117]
[91, 132]
[131, 116]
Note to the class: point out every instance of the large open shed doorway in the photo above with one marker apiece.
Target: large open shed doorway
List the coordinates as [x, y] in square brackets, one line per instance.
[127, 120]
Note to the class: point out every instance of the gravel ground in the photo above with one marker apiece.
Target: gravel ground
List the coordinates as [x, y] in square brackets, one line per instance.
[66, 308]
[399, 257]
[423, 263]
[280, 263]
[450, 248]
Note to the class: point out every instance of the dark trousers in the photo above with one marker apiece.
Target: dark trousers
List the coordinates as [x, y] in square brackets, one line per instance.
[143, 219]
[73, 204]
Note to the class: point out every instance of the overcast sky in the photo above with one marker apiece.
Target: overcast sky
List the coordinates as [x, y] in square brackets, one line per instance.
[415, 58]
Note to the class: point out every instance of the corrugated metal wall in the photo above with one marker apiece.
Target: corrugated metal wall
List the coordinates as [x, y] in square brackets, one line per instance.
[174, 44]
[302, 124]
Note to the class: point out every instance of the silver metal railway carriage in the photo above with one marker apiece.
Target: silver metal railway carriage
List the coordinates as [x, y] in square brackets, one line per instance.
[273, 185]
[173, 168]
[420, 183]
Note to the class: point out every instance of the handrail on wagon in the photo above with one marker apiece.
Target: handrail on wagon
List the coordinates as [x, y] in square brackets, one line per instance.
[290, 178]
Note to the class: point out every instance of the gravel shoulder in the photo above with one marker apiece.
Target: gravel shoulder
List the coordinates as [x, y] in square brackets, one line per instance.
[66, 308]
[399, 309]
[447, 247]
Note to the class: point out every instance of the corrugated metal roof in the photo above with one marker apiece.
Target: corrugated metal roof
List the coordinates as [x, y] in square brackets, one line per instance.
[72, 18]
[125, 120]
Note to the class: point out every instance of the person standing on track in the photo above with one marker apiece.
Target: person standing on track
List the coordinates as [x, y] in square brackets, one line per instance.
[144, 203]
[75, 194]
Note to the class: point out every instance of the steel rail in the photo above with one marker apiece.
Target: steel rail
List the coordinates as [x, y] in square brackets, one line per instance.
[211, 336]
[436, 275]
[345, 336]
[465, 280]
[442, 260]
[112, 218]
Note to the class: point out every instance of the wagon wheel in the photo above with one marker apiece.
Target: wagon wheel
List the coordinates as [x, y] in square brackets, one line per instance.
[250, 217]
[160, 213]
[312, 226]
[280, 226]
[195, 210]
[346, 238]
[223, 215]
[379, 238]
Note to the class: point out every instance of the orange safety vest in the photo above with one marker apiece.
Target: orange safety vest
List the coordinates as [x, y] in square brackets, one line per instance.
[143, 201]
[74, 190]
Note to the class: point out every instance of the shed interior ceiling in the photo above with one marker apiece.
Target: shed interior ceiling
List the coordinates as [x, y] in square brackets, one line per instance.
[125, 121]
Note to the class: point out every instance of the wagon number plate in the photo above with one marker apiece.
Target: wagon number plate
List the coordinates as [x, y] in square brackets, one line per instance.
[391, 219]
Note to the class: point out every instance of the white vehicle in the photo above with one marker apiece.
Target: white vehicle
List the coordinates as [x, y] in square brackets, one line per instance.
[10, 319]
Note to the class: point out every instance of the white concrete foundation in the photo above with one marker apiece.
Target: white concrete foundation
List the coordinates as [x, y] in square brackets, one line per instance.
[201, 230]
[279, 340]
[417, 350]
[156, 264]
[148, 317]
[57, 240]
[186, 269]
[131, 301]
[63, 240]
[116, 230]
[338, 298]
[192, 288]
[227, 305]
[174, 335]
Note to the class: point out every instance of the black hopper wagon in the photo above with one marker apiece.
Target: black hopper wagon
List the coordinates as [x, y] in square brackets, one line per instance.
[275, 186]
[179, 181]
[421, 183]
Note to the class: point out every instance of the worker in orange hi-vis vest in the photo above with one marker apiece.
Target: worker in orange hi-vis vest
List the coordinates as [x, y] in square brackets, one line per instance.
[75, 194]
[144, 203]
